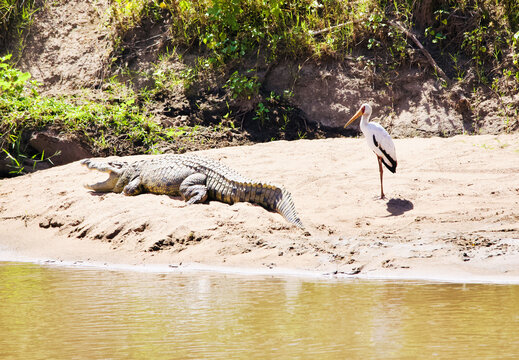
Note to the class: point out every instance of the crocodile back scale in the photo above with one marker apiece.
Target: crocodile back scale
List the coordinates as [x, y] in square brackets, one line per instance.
[195, 178]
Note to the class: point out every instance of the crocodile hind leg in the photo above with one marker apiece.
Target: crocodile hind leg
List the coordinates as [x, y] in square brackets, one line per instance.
[193, 189]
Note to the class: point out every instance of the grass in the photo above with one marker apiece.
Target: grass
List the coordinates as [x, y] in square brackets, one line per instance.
[231, 29]
[15, 17]
[484, 33]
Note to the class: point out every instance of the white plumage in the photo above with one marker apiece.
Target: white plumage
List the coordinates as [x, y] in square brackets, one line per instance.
[378, 140]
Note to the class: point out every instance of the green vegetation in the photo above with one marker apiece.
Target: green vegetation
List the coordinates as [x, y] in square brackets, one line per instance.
[472, 41]
[111, 126]
[231, 29]
[485, 33]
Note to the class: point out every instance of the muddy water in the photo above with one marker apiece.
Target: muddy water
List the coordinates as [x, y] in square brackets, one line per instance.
[49, 312]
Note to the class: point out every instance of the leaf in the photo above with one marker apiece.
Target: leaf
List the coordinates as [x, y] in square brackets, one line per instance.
[13, 159]
[6, 57]
[184, 5]
[24, 77]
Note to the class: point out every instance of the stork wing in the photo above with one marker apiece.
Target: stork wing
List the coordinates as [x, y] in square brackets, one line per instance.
[381, 143]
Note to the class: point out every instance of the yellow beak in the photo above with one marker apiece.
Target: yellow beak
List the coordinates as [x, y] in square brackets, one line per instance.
[357, 114]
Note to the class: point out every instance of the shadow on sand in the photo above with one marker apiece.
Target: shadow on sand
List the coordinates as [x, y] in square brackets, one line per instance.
[399, 206]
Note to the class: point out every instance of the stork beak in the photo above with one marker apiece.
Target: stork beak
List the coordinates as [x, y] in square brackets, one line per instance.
[357, 114]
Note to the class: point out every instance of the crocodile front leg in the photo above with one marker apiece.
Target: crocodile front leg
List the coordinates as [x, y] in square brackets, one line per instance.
[193, 189]
[133, 187]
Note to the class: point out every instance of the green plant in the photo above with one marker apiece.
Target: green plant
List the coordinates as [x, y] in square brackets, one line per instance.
[435, 36]
[261, 114]
[17, 156]
[12, 81]
[474, 43]
[460, 73]
[231, 29]
[176, 132]
[12, 151]
[286, 121]
[126, 14]
[515, 48]
[242, 86]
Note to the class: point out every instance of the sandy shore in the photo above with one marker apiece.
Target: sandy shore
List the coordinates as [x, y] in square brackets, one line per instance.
[451, 213]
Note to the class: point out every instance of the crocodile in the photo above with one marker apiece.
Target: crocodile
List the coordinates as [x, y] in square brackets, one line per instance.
[195, 178]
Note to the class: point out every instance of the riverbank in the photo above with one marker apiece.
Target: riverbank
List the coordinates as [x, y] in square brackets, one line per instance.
[451, 213]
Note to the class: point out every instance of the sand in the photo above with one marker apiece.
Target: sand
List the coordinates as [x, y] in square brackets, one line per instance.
[451, 214]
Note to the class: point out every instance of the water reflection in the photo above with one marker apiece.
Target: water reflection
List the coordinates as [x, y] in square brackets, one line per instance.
[53, 312]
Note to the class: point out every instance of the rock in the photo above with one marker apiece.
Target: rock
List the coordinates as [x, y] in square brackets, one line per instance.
[60, 149]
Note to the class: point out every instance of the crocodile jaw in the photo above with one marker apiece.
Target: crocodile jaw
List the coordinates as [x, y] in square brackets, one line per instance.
[104, 186]
[115, 171]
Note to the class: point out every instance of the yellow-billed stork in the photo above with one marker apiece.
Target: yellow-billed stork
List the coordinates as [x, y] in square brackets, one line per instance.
[378, 140]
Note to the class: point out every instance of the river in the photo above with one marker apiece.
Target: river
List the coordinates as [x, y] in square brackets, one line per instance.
[73, 312]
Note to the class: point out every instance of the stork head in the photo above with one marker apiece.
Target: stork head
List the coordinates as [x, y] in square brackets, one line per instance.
[365, 110]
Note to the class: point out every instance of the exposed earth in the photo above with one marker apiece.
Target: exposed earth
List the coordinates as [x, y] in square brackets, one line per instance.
[451, 213]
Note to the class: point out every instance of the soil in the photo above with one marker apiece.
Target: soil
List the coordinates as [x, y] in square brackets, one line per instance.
[451, 213]
[67, 46]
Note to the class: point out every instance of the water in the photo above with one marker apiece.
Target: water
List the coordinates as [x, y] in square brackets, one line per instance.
[49, 312]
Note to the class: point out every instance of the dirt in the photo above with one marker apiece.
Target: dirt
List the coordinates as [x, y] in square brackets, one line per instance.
[67, 46]
[451, 213]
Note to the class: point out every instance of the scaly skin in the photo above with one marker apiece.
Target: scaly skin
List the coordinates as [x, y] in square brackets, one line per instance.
[195, 178]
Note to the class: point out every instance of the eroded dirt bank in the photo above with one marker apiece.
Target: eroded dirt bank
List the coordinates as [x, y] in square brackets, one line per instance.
[452, 213]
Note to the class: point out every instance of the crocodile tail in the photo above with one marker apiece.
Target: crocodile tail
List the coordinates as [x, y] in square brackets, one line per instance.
[285, 206]
[269, 196]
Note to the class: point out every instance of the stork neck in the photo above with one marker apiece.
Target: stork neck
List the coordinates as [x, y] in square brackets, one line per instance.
[364, 121]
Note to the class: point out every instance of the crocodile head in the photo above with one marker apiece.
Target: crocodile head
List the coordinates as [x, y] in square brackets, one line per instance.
[116, 179]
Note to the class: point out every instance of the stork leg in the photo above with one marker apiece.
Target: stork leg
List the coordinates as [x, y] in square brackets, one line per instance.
[381, 170]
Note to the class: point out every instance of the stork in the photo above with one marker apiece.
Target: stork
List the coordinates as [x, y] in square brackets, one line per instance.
[378, 140]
